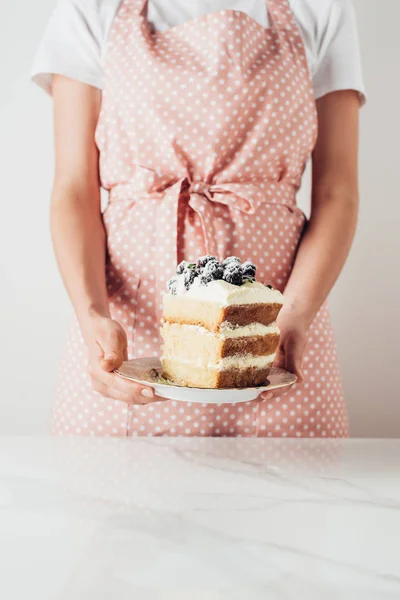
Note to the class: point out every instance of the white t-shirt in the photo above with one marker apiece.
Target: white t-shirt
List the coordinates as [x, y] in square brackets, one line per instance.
[75, 40]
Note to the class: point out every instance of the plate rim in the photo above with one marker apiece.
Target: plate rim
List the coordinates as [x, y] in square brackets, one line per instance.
[183, 387]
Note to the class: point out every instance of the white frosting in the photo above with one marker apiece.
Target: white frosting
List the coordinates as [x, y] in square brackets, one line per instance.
[227, 294]
[238, 361]
[244, 361]
[227, 330]
[180, 285]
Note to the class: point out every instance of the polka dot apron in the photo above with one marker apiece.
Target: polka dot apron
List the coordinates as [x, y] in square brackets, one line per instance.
[204, 132]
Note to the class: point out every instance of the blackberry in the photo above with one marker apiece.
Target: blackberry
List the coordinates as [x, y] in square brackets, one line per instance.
[189, 276]
[249, 270]
[172, 285]
[181, 267]
[212, 271]
[234, 275]
[211, 265]
[231, 260]
[204, 260]
[232, 266]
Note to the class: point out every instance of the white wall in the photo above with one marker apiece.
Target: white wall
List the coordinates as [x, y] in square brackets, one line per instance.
[34, 308]
[365, 303]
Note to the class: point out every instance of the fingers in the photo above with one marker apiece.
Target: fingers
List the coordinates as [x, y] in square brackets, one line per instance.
[265, 396]
[112, 362]
[294, 355]
[113, 386]
[104, 390]
[280, 359]
[107, 353]
[114, 346]
[290, 355]
[135, 390]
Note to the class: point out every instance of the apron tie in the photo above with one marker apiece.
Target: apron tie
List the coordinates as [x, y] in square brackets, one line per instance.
[201, 197]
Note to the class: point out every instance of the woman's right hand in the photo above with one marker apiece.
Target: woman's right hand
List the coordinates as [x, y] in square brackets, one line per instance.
[108, 348]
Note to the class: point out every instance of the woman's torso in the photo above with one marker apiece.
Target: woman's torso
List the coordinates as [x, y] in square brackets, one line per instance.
[153, 219]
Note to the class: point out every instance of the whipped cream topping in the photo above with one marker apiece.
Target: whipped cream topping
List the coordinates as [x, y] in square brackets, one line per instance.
[227, 294]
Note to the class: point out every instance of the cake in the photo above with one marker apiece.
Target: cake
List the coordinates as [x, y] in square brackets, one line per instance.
[219, 325]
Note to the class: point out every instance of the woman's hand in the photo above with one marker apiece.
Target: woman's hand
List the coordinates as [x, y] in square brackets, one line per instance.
[292, 343]
[107, 344]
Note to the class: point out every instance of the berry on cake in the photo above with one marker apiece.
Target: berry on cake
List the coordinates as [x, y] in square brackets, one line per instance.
[218, 325]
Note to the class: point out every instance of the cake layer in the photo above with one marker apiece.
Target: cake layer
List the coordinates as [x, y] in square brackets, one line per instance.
[238, 314]
[191, 375]
[183, 309]
[256, 346]
[191, 342]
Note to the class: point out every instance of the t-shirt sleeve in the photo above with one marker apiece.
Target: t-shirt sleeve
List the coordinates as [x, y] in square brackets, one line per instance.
[338, 61]
[71, 45]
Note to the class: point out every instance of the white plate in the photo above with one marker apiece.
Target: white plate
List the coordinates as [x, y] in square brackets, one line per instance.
[148, 372]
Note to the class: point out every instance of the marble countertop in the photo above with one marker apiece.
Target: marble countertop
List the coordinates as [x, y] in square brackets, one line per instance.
[199, 519]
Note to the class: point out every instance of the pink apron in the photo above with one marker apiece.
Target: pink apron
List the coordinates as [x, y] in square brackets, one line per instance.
[204, 133]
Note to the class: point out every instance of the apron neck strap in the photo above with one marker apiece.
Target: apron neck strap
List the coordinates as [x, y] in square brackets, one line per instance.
[137, 7]
[281, 14]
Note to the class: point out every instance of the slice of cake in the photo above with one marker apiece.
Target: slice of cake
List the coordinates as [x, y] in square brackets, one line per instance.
[218, 325]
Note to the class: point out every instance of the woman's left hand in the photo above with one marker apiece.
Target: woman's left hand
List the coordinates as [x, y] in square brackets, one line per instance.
[292, 343]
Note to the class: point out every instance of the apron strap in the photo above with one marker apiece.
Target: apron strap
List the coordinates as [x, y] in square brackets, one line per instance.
[281, 14]
[133, 7]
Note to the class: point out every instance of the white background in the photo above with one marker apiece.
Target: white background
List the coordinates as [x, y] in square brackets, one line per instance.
[34, 307]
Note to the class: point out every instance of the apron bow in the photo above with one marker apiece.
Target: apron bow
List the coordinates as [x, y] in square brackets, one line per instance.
[202, 198]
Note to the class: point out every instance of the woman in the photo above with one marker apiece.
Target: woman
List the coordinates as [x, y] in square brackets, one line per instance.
[199, 118]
